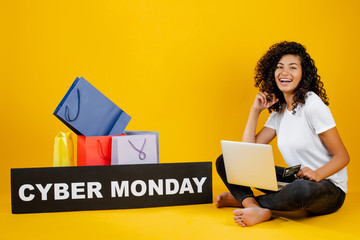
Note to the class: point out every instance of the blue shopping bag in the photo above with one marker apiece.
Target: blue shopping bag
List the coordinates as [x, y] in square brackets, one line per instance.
[86, 111]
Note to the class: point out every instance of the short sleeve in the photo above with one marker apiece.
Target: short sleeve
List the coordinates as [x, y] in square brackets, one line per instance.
[320, 117]
[271, 121]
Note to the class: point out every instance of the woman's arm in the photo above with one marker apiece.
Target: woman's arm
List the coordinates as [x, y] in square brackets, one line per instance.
[266, 134]
[340, 157]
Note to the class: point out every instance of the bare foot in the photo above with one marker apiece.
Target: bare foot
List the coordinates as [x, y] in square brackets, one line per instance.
[250, 216]
[226, 199]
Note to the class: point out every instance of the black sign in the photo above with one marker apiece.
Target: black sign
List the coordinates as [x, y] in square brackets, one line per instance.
[58, 189]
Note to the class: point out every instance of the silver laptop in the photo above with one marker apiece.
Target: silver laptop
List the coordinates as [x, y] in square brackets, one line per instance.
[250, 164]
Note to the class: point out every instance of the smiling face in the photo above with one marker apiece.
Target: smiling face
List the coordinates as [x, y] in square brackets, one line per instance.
[288, 74]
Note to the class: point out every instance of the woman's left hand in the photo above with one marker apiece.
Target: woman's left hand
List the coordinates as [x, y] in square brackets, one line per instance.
[308, 174]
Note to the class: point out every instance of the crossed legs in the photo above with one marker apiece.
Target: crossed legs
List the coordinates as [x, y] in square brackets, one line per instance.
[305, 197]
[250, 212]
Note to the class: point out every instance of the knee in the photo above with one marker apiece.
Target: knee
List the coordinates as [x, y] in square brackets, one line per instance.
[220, 162]
[303, 191]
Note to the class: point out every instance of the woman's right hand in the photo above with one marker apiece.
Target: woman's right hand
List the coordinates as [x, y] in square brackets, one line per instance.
[261, 101]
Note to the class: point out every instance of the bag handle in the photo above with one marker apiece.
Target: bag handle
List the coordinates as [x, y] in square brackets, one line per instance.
[100, 150]
[142, 155]
[67, 114]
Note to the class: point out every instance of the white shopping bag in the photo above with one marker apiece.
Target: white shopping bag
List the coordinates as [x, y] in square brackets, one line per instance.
[128, 133]
[134, 149]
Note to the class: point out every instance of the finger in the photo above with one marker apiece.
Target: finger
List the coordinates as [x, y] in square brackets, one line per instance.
[263, 96]
[270, 99]
[302, 172]
[274, 99]
[306, 177]
[309, 176]
[258, 97]
[299, 174]
[268, 96]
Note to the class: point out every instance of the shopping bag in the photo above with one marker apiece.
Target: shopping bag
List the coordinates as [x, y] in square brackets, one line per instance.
[129, 133]
[88, 112]
[134, 149]
[95, 150]
[63, 150]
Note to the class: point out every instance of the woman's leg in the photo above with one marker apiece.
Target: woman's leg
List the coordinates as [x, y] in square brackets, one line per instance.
[316, 197]
[240, 196]
[252, 213]
[237, 193]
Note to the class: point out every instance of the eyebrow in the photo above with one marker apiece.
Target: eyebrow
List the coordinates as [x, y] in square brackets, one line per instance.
[289, 63]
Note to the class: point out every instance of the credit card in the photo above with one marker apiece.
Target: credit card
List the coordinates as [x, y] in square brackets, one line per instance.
[290, 171]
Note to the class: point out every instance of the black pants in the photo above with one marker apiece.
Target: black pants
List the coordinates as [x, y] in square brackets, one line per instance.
[316, 197]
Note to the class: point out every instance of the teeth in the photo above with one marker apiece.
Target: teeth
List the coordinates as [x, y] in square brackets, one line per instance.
[285, 80]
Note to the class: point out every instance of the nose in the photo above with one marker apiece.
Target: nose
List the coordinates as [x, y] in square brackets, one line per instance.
[284, 72]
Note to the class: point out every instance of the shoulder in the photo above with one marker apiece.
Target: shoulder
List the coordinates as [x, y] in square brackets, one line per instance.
[276, 115]
[318, 113]
[314, 103]
[312, 97]
[274, 120]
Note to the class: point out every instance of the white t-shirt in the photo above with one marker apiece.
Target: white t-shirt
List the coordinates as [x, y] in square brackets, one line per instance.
[297, 136]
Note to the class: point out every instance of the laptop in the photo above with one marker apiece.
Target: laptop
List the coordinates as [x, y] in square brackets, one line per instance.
[250, 164]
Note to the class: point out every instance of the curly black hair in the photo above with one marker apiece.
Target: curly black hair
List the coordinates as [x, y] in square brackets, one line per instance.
[310, 81]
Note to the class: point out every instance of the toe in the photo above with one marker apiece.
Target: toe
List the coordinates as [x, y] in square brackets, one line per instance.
[238, 212]
[237, 218]
[218, 198]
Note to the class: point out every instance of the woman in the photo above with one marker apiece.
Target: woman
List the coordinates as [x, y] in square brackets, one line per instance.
[291, 90]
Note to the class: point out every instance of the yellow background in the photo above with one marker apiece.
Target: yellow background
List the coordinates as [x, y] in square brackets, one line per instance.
[184, 68]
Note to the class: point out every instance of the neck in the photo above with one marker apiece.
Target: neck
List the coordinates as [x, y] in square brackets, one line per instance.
[289, 100]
